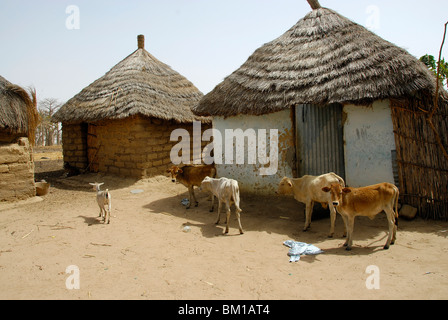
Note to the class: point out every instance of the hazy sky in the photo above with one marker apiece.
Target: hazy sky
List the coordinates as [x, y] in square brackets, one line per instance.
[45, 46]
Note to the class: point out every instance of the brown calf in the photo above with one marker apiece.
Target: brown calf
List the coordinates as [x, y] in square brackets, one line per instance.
[191, 176]
[368, 202]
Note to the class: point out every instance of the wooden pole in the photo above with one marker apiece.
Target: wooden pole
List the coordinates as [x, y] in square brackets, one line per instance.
[436, 98]
[314, 4]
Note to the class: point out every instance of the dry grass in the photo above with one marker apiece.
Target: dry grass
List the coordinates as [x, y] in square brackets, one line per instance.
[138, 85]
[18, 109]
[325, 58]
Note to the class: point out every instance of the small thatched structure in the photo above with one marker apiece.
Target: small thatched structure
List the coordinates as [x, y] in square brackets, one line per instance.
[18, 121]
[18, 112]
[329, 86]
[122, 122]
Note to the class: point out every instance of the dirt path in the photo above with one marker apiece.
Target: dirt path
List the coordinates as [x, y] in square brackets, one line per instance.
[145, 254]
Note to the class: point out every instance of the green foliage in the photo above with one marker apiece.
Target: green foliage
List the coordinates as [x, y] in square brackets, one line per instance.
[431, 63]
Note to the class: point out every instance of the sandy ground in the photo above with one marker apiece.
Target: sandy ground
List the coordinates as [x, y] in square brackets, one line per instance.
[145, 254]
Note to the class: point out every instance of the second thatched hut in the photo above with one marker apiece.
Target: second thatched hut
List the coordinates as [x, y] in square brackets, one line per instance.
[121, 123]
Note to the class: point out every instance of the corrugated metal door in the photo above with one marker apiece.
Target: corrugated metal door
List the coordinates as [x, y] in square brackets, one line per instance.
[319, 141]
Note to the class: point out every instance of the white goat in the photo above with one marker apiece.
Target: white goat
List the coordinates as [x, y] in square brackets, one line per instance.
[103, 198]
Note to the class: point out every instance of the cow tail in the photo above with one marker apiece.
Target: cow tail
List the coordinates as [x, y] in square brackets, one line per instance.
[397, 196]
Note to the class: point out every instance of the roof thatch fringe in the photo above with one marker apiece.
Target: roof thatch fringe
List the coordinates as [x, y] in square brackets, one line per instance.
[138, 85]
[325, 58]
[18, 110]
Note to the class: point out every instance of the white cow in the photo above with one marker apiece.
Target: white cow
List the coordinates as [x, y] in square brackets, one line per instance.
[308, 190]
[227, 191]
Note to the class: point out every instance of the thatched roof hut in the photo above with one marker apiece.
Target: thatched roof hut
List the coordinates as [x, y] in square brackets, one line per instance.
[121, 123]
[18, 112]
[138, 85]
[325, 58]
[343, 100]
[18, 121]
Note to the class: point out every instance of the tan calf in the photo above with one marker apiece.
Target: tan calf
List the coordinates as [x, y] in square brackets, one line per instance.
[308, 190]
[368, 202]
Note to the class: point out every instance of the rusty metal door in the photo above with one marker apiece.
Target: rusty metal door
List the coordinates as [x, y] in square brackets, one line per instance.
[92, 148]
[319, 140]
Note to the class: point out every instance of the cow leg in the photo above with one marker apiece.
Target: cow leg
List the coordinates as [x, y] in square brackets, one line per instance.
[394, 237]
[192, 197]
[219, 211]
[110, 209]
[350, 226]
[332, 218]
[196, 203]
[308, 213]
[227, 216]
[344, 218]
[239, 221]
[190, 190]
[213, 202]
[392, 231]
[345, 231]
[103, 214]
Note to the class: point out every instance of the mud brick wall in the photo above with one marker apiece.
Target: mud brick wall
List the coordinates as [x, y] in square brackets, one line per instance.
[74, 141]
[133, 147]
[16, 171]
[137, 147]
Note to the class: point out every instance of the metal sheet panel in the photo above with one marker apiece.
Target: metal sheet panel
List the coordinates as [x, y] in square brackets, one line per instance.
[319, 141]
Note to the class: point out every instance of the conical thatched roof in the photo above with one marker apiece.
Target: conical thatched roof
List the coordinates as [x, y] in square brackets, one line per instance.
[18, 112]
[325, 58]
[138, 85]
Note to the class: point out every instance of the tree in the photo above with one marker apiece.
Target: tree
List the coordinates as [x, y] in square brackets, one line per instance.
[48, 133]
[431, 63]
[441, 69]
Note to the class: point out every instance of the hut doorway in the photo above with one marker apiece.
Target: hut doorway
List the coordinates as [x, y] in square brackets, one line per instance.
[92, 148]
[319, 140]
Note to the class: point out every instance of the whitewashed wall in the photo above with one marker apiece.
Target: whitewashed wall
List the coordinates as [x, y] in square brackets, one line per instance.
[369, 140]
[248, 175]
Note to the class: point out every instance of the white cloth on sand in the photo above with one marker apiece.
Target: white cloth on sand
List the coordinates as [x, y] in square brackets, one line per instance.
[300, 248]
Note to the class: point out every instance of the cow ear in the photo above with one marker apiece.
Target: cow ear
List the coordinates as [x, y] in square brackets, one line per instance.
[326, 189]
[180, 170]
[346, 190]
[289, 183]
[168, 170]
